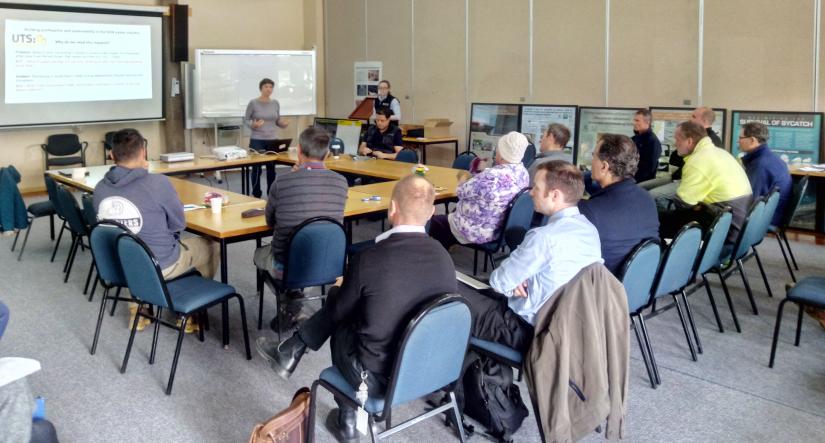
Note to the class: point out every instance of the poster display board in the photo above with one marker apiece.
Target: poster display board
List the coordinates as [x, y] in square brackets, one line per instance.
[595, 121]
[488, 122]
[534, 120]
[367, 76]
[666, 119]
[794, 136]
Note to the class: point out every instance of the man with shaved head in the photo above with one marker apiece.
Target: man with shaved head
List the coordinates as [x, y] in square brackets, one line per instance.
[384, 286]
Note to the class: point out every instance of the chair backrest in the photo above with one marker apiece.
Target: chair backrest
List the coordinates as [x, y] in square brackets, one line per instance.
[714, 242]
[108, 140]
[464, 160]
[639, 273]
[797, 194]
[519, 218]
[336, 146]
[51, 189]
[679, 260]
[63, 144]
[432, 350]
[71, 211]
[529, 155]
[407, 156]
[750, 227]
[103, 242]
[771, 203]
[142, 272]
[317, 249]
[89, 213]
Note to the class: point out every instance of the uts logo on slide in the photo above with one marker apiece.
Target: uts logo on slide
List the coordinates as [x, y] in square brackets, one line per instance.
[31, 39]
[122, 211]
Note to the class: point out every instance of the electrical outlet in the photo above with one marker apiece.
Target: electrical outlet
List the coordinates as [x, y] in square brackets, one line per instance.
[687, 102]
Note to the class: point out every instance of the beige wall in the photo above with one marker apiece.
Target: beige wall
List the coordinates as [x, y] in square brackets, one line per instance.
[758, 54]
[220, 24]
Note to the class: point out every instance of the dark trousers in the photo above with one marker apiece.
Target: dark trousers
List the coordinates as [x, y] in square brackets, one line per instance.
[262, 146]
[316, 330]
[494, 321]
[440, 230]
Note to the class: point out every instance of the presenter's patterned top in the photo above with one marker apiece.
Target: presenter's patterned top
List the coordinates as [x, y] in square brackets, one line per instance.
[483, 200]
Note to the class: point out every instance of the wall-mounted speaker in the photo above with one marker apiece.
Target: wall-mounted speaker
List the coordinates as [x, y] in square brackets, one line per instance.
[180, 32]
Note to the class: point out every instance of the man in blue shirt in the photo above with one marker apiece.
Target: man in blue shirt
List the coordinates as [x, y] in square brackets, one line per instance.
[623, 213]
[548, 258]
[764, 168]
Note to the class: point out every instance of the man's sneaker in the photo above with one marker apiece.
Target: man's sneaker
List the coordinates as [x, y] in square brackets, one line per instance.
[282, 358]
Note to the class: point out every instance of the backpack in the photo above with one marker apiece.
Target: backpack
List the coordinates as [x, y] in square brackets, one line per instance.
[492, 399]
[287, 426]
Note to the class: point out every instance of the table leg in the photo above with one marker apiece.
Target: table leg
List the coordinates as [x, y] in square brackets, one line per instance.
[456, 148]
[243, 180]
[819, 222]
[423, 153]
[224, 305]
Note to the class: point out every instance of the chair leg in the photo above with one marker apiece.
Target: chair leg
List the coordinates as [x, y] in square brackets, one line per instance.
[486, 259]
[692, 323]
[706, 284]
[177, 355]
[785, 255]
[99, 320]
[155, 334]
[278, 316]
[201, 316]
[242, 307]
[457, 413]
[59, 237]
[730, 302]
[475, 262]
[762, 271]
[685, 327]
[643, 351]
[790, 251]
[741, 268]
[798, 326]
[70, 260]
[69, 254]
[51, 226]
[114, 304]
[776, 331]
[89, 280]
[25, 240]
[131, 340]
[260, 283]
[649, 347]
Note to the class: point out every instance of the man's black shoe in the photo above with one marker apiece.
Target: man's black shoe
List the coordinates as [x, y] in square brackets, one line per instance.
[283, 358]
[341, 424]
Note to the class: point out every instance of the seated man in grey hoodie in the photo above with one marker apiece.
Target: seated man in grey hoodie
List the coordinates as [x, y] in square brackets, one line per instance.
[149, 206]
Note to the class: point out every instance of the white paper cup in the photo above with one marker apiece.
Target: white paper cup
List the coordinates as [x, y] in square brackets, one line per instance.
[216, 203]
[78, 173]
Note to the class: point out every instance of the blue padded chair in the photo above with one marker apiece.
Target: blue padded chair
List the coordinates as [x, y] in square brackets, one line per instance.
[76, 224]
[61, 149]
[35, 210]
[638, 275]
[429, 359]
[712, 245]
[731, 256]
[103, 243]
[529, 155]
[187, 295]
[317, 251]
[90, 218]
[759, 233]
[810, 291]
[517, 219]
[51, 189]
[779, 231]
[464, 160]
[678, 264]
[407, 156]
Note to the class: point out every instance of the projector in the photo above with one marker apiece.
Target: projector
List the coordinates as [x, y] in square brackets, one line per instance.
[171, 157]
[229, 153]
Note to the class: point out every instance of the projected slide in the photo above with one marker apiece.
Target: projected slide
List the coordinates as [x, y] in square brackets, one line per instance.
[55, 62]
[536, 118]
[794, 136]
[596, 121]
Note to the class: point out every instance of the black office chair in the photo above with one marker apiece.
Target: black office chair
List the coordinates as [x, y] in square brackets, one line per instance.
[108, 143]
[61, 150]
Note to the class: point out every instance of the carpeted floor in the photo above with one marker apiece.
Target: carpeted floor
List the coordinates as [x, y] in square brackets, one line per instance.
[728, 395]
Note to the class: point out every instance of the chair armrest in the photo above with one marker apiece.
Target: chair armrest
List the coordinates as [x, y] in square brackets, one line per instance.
[83, 146]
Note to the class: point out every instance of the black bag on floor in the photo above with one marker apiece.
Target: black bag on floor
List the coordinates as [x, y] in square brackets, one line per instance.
[491, 398]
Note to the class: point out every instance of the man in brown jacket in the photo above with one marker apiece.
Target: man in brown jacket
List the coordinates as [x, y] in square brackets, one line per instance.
[577, 364]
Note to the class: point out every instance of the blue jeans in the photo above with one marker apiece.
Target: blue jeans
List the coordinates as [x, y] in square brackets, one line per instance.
[262, 146]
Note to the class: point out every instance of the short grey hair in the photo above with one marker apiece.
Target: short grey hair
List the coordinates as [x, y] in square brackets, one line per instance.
[314, 143]
[756, 130]
[620, 153]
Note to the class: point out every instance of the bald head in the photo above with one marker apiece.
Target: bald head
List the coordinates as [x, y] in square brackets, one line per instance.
[704, 116]
[412, 201]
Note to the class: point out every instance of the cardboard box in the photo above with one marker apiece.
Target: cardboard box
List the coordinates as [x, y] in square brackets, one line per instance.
[408, 130]
[437, 127]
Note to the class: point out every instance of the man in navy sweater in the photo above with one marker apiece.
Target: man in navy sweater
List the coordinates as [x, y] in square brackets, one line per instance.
[623, 213]
[764, 168]
[648, 145]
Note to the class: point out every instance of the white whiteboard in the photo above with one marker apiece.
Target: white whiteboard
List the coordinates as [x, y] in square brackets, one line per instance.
[228, 79]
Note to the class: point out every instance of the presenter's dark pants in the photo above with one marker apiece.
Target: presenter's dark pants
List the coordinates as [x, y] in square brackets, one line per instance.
[262, 146]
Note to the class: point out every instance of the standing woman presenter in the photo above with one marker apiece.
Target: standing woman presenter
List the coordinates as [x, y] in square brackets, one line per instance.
[263, 116]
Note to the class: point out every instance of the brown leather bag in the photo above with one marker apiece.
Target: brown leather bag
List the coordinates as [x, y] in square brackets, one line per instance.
[287, 426]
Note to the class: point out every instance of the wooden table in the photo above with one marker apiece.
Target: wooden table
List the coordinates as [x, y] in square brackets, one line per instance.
[421, 142]
[210, 163]
[818, 177]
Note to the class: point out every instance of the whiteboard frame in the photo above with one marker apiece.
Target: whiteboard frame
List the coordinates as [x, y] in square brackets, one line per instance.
[200, 52]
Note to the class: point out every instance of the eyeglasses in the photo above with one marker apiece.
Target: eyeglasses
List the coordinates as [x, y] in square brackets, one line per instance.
[744, 136]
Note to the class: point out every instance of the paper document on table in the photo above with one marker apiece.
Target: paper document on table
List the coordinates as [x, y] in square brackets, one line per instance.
[15, 368]
[812, 169]
[471, 282]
